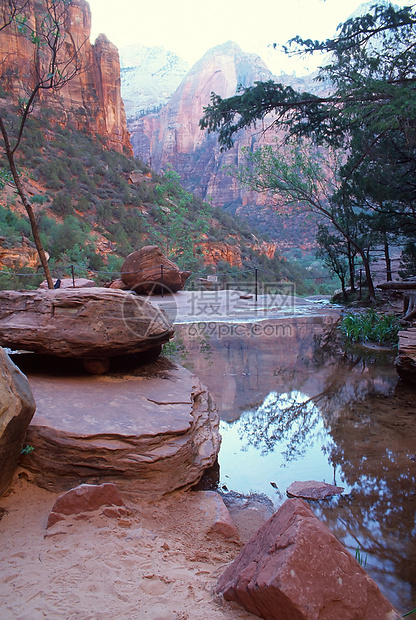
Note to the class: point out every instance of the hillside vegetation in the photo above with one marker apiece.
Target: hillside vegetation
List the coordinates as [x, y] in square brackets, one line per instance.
[91, 215]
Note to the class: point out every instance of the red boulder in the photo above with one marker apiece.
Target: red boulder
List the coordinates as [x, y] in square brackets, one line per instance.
[149, 271]
[85, 498]
[294, 568]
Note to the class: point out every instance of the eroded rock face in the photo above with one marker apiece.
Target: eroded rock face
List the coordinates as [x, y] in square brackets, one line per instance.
[215, 252]
[150, 432]
[17, 407]
[94, 93]
[85, 323]
[173, 135]
[142, 272]
[18, 256]
[295, 568]
[405, 362]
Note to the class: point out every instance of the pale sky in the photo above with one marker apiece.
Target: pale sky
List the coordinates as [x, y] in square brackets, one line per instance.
[191, 27]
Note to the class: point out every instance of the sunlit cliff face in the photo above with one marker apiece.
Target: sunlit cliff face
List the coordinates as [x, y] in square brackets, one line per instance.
[91, 100]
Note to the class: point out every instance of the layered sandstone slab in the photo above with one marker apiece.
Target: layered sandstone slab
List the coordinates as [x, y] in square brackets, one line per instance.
[295, 568]
[150, 432]
[85, 323]
[17, 407]
[405, 362]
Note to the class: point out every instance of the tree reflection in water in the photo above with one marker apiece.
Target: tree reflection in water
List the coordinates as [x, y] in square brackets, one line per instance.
[375, 445]
[286, 419]
[301, 407]
[371, 442]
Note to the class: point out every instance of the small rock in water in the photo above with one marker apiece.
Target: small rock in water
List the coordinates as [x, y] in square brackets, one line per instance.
[313, 489]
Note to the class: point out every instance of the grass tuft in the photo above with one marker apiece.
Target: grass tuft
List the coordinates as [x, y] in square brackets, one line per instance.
[371, 326]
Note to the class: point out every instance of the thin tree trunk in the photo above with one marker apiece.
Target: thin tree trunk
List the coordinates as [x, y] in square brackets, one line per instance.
[361, 252]
[27, 205]
[387, 259]
[351, 267]
[344, 292]
[368, 277]
[35, 231]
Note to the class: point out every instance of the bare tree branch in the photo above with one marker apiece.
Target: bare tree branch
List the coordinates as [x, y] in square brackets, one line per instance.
[56, 61]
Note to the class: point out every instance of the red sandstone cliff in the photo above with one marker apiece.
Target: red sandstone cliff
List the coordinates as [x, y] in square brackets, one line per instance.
[172, 136]
[92, 99]
[213, 252]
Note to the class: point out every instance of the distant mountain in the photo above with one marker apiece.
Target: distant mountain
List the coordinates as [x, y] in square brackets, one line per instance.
[149, 77]
[172, 135]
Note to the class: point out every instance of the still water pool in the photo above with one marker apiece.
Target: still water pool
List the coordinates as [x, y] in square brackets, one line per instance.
[295, 406]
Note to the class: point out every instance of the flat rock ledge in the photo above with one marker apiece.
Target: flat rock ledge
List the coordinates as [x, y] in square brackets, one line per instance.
[313, 489]
[150, 432]
[84, 323]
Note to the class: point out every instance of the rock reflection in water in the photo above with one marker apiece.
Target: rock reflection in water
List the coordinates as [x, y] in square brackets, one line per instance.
[296, 407]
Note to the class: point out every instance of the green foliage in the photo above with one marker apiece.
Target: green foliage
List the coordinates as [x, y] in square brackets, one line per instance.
[12, 227]
[175, 207]
[370, 326]
[27, 449]
[333, 250]
[171, 349]
[408, 261]
[370, 115]
[362, 561]
[114, 265]
[88, 189]
[5, 177]
[372, 67]
[295, 175]
[62, 205]
[24, 278]
[39, 199]
[409, 613]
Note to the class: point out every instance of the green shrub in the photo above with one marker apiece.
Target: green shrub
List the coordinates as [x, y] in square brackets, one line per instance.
[39, 199]
[24, 278]
[370, 326]
[61, 205]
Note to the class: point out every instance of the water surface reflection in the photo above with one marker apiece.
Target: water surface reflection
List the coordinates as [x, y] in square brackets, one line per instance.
[295, 406]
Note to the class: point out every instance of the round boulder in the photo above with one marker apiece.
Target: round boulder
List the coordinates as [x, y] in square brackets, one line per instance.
[149, 271]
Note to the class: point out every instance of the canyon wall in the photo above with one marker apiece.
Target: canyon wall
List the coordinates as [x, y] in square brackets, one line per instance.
[92, 98]
[173, 136]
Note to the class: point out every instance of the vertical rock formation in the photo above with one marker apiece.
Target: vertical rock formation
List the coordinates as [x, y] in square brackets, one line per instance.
[173, 135]
[92, 99]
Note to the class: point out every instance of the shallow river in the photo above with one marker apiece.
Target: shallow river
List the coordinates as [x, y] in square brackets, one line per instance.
[295, 406]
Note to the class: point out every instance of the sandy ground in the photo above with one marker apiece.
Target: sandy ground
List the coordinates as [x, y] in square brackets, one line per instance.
[157, 563]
